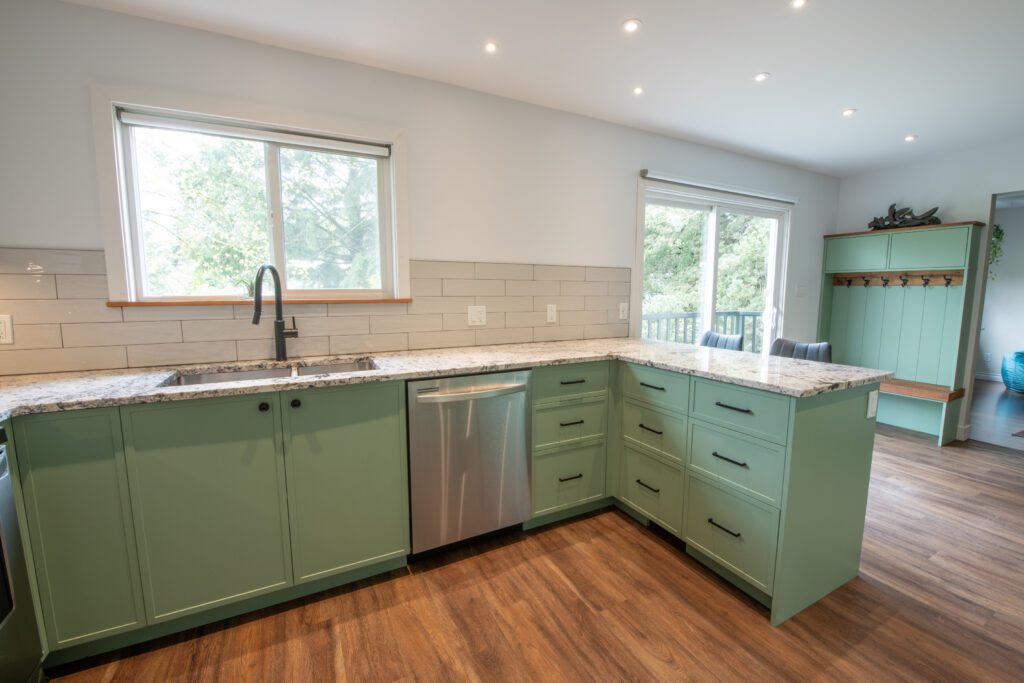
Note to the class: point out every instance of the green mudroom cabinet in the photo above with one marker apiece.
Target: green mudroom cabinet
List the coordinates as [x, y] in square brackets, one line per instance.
[901, 300]
[151, 518]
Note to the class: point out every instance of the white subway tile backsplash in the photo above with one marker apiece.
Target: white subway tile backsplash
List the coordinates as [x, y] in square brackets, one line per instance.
[77, 331]
[28, 287]
[112, 334]
[82, 287]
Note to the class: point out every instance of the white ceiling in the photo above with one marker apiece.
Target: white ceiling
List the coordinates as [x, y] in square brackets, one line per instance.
[945, 70]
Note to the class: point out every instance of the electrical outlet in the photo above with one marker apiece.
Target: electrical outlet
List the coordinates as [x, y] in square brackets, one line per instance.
[6, 329]
[872, 404]
[477, 316]
[623, 311]
[552, 313]
[988, 357]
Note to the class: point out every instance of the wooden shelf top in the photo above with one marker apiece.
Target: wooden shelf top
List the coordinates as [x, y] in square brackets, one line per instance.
[976, 224]
[932, 392]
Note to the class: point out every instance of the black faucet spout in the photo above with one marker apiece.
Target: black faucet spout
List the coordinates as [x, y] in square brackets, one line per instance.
[280, 331]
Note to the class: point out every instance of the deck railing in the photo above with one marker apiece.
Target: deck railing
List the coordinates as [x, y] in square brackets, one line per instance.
[685, 327]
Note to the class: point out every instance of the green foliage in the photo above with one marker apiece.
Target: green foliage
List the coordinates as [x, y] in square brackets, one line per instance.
[995, 249]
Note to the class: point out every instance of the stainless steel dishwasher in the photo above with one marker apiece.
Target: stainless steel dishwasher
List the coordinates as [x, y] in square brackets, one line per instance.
[469, 456]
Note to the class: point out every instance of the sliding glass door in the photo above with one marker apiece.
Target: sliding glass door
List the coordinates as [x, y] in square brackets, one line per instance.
[710, 264]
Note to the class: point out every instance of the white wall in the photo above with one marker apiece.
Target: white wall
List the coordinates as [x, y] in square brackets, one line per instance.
[1002, 326]
[490, 179]
[960, 183]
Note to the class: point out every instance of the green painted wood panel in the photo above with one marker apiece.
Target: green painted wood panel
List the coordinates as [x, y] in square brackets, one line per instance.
[840, 321]
[567, 422]
[669, 390]
[754, 467]
[556, 382]
[653, 487]
[926, 249]
[345, 454]
[568, 477]
[856, 253]
[908, 335]
[75, 486]
[747, 543]
[874, 336]
[857, 307]
[950, 339]
[655, 428]
[933, 317]
[208, 495]
[916, 414]
[757, 413]
[892, 320]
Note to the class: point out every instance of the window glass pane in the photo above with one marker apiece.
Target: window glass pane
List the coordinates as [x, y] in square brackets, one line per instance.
[331, 221]
[203, 227]
[742, 277]
[674, 248]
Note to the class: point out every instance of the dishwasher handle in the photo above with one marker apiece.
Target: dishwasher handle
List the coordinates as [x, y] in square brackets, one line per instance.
[455, 396]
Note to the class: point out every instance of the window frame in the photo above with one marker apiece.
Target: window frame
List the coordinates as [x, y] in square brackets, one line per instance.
[118, 192]
[693, 196]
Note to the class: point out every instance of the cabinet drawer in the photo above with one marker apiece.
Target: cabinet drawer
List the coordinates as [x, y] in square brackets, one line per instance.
[737, 532]
[554, 382]
[862, 252]
[568, 477]
[653, 487]
[754, 466]
[557, 424]
[930, 249]
[655, 429]
[668, 389]
[757, 413]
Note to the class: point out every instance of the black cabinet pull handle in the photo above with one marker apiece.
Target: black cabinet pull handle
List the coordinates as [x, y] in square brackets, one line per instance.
[575, 476]
[712, 522]
[652, 431]
[748, 411]
[296, 403]
[264, 407]
[727, 459]
[647, 486]
[573, 381]
[570, 424]
[652, 386]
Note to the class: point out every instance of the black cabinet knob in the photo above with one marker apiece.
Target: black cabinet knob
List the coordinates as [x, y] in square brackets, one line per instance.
[296, 403]
[264, 407]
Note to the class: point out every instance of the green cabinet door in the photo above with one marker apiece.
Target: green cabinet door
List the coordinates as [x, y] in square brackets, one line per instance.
[72, 472]
[856, 253]
[928, 249]
[208, 497]
[345, 451]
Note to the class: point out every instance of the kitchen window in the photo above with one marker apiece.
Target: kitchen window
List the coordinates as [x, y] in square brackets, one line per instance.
[206, 201]
[710, 261]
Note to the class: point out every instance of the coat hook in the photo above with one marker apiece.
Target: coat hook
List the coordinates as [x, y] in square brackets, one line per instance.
[849, 281]
[866, 280]
[949, 280]
[925, 279]
[903, 280]
[885, 281]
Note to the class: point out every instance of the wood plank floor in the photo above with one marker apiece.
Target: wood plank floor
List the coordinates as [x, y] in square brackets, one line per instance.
[940, 597]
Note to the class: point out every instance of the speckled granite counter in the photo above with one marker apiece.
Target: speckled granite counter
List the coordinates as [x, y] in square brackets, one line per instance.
[20, 395]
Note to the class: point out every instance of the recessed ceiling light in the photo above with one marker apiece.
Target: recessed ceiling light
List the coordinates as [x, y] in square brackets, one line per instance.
[490, 47]
[638, 90]
[762, 77]
[909, 138]
[631, 25]
[849, 112]
[797, 4]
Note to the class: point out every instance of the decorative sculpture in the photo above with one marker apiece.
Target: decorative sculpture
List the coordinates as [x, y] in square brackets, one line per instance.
[904, 218]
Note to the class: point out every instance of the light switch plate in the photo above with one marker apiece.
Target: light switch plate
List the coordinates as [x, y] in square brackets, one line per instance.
[6, 329]
[623, 311]
[477, 316]
[552, 313]
[872, 404]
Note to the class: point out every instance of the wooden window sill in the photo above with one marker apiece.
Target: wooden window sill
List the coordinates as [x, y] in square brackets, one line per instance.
[932, 392]
[248, 302]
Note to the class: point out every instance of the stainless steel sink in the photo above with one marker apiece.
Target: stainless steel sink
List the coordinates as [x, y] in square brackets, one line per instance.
[233, 376]
[334, 368]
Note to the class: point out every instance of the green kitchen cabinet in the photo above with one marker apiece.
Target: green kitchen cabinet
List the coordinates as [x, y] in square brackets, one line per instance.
[930, 249]
[345, 457]
[72, 471]
[856, 253]
[207, 481]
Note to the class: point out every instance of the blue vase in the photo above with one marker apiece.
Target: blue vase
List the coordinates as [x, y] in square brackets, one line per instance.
[1013, 371]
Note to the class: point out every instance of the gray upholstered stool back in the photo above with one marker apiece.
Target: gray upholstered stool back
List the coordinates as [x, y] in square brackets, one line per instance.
[821, 351]
[733, 342]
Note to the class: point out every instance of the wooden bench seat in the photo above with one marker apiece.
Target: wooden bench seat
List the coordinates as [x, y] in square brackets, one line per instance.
[932, 392]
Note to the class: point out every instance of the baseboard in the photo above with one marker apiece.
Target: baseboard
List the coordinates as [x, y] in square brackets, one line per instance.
[988, 376]
[963, 432]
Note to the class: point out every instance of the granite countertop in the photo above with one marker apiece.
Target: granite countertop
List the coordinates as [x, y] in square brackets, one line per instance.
[24, 394]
